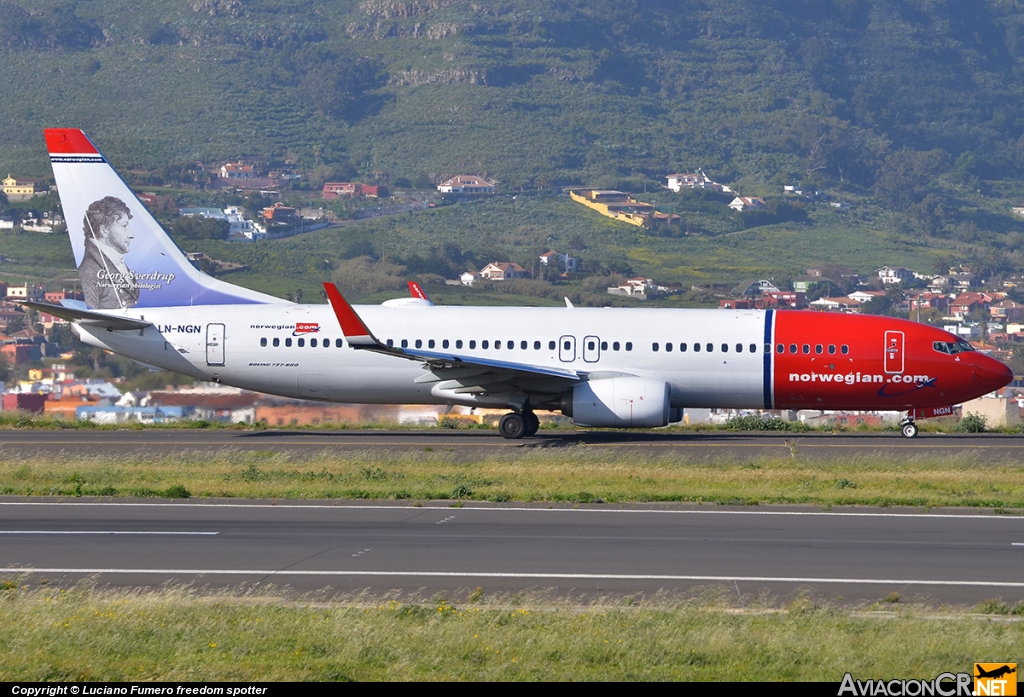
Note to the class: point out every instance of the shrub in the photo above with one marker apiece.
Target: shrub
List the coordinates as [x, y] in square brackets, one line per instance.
[972, 423]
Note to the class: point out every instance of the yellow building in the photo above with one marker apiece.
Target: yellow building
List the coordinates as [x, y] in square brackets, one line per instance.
[622, 206]
[18, 191]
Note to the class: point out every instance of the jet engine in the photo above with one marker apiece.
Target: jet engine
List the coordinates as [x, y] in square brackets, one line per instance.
[619, 402]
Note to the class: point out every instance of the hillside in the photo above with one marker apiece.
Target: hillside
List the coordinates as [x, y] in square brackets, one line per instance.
[907, 108]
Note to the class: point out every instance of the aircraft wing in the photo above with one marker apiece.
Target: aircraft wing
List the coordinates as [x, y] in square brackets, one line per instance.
[443, 365]
[88, 317]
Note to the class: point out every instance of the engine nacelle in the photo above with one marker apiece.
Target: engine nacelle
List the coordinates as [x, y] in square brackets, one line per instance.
[621, 402]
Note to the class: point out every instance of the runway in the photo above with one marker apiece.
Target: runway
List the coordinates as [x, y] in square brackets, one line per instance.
[848, 556]
[715, 444]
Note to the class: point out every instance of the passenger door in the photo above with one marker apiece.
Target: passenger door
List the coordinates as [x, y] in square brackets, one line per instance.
[893, 352]
[214, 344]
[591, 349]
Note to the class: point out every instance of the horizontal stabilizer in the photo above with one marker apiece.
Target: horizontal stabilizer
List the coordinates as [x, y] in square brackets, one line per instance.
[87, 317]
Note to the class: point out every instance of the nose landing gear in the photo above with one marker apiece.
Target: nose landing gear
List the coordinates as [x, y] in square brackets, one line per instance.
[909, 429]
[518, 425]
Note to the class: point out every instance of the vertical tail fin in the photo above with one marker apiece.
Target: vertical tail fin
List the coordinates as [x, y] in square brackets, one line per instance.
[124, 258]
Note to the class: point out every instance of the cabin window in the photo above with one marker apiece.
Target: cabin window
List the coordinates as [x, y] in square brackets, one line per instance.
[710, 347]
[604, 345]
[288, 343]
[831, 348]
[263, 341]
[511, 344]
[682, 347]
[768, 348]
[536, 346]
[806, 348]
[615, 346]
[696, 347]
[419, 343]
[753, 348]
[327, 343]
[497, 344]
[568, 346]
[458, 343]
[654, 346]
[472, 343]
[725, 348]
[551, 345]
[593, 345]
[818, 348]
[739, 348]
[629, 345]
[525, 344]
[430, 343]
[845, 349]
[405, 343]
[302, 342]
[668, 347]
[792, 348]
[312, 343]
[781, 348]
[338, 343]
[444, 343]
[485, 344]
[277, 342]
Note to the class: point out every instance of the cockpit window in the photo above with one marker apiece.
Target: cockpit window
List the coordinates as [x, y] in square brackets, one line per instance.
[952, 347]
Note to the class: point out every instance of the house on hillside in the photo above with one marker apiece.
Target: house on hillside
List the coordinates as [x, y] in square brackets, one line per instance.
[966, 303]
[640, 288]
[22, 189]
[743, 203]
[333, 190]
[466, 184]
[895, 274]
[503, 271]
[621, 206]
[697, 180]
[558, 261]
[236, 170]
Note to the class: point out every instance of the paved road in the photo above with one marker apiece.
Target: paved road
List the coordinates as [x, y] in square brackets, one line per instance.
[997, 448]
[856, 555]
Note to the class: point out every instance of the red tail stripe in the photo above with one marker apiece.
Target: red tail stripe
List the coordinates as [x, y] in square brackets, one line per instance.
[68, 141]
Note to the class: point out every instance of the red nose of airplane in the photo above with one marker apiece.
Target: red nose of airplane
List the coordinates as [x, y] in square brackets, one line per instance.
[990, 374]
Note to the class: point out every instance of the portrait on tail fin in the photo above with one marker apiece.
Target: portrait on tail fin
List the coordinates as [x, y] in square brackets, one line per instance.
[107, 281]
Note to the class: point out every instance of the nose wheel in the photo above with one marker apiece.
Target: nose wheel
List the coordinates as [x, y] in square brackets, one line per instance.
[908, 429]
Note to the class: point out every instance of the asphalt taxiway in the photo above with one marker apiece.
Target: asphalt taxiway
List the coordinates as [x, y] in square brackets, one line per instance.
[856, 555]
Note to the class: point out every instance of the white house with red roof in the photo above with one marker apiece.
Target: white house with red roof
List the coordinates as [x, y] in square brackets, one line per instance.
[503, 271]
[466, 184]
[742, 203]
[236, 170]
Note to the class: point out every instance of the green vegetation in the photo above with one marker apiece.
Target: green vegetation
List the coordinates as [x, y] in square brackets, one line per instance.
[580, 474]
[904, 111]
[175, 634]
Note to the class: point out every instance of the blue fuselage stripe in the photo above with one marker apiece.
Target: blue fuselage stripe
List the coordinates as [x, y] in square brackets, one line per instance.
[768, 359]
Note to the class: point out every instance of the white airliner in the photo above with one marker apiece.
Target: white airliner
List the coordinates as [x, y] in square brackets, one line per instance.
[622, 368]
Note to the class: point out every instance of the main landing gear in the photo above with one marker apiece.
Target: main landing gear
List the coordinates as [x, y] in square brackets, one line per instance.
[518, 425]
[909, 429]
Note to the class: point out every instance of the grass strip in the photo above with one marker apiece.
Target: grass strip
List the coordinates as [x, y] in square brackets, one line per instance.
[575, 474]
[181, 634]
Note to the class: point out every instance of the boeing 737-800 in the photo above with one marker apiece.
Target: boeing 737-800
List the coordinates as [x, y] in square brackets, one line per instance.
[603, 367]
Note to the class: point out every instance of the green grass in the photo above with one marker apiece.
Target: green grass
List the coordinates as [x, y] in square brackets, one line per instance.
[575, 474]
[181, 634]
